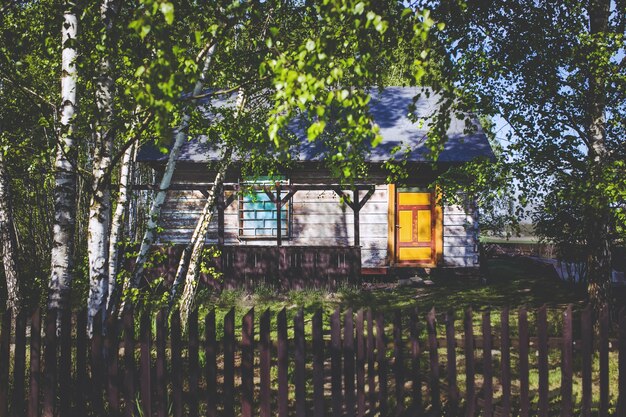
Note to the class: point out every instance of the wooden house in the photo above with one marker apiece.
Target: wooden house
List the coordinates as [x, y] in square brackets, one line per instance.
[301, 226]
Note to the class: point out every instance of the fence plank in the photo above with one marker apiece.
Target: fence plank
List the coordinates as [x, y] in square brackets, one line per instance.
[19, 366]
[522, 318]
[161, 363]
[567, 364]
[50, 359]
[621, 404]
[431, 326]
[398, 364]
[416, 376]
[247, 363]
[265, 363]
[604, 361]
[300, 364]
[453, 391]
[229, 364]
[587, 346]
[381, 359]
[5, 360]
[112, 357]
[349, 363]
[210, 350]
[283, 364]
[193, 360]
[360, 363]
[542, 333]
[505, 349]
[145, 337]
[65, 364]
[177, 364]
[335, 363]
[129, 362]
[371, 373]
[97, 364]
[35, 358]
[82, 379]
[487, 366]
[318, 365]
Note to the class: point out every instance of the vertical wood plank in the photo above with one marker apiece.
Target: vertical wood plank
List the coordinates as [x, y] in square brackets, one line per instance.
[371, 371]
[335, 363]
[97, 364]
[50, 362]
[487, 366]
[229, 364]
[621, 403]
[453, 390]
[129, 361]
[381, 359]
[604, 361]
[318, 365]
[35, 360]
[194, 366]
[542, 334]
[360, 363]
[505, 349]
[82, 379]
[567, 364]
[161, 402]
[145, 336]
[300, 364]
[416, 374]
[522, 318]
[65, 363]
[398, 364]
[349, 363]
[586, 330]
[112, 358]
[247, 363]
[19, 366]
[470, 383]
[5, 360]
[431, 326]
[210, 350]
[265, 363]
[177, 364]
[283, 364]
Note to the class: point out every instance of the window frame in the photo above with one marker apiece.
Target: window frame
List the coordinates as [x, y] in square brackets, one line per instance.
[286, 210]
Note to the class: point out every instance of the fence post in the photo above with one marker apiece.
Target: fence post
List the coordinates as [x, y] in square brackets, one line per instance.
[5, 360]
[145, 332]
[19, 367]
[604, 361]
[371, 373]
[65, 363]
[335, 363]
[161, 363]
[112, 353]
[82, 380]
[566, 364]
[35, 360]
[318, 365]
[50, 359]
[431, 325]
[398, 364]
[522, 318]
[300, 364]
[542, 333]
[194, 376]
[505, 349]
[177, 364]
[487, 365]
[381, 358]
[229, 363]
[621, 403]
[247, 363]
[349, 362]
[283, 364]
[416, 405]
[211, 363]
[129, 361]
[453, 391]
[97, 365]
[265, 363]
[360, 364]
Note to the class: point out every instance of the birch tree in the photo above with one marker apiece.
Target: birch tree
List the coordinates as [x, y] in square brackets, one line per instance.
[7, 241]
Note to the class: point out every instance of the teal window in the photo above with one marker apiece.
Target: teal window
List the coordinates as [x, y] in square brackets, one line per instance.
[257, 213]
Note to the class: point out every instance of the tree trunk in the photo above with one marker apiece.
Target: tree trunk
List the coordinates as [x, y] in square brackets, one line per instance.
[157, 203]
[117, 225]
[599, 214]
[100, 203]
[65, 172]
[7, 240]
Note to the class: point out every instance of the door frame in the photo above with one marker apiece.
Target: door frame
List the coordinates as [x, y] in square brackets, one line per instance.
[437, 228]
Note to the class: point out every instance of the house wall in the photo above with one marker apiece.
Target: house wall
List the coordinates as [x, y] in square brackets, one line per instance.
[318, 218]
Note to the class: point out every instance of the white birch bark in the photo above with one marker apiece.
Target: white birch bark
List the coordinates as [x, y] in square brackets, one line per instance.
[155, 209]
[117, 225]
[7, 240]
[100, 203]
[65, 171]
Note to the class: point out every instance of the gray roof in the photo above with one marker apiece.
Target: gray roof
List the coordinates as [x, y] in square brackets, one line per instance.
[390, 110]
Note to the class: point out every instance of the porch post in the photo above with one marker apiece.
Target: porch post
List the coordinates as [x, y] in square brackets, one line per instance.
[220, 215]
[356, 208]
[278, 207]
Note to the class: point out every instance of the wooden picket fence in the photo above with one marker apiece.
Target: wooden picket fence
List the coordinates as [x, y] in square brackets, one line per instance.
[363, 364]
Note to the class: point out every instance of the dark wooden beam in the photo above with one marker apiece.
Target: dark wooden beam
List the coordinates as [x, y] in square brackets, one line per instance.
[221, 206]
[279, 204]
[356, 209]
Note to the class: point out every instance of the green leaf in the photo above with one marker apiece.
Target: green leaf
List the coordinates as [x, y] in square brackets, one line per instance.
[167, 9]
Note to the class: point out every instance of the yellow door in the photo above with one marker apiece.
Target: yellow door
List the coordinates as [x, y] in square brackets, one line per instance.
[415, 241]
